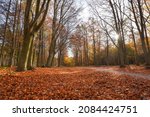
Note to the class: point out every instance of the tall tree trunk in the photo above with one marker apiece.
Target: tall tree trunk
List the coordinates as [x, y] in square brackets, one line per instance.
[5, 31]
[135, 46]
[54, 36]
[119, 28]
[12, 53]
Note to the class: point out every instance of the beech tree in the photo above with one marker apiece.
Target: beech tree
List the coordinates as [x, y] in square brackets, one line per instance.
[33, 20]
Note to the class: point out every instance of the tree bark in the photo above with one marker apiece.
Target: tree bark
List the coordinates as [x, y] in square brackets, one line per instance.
[23, 61]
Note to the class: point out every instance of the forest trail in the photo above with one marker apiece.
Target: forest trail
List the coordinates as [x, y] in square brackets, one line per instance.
[111, 70]
[84, 83]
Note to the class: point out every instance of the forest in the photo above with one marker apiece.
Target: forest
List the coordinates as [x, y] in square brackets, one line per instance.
[75, 49]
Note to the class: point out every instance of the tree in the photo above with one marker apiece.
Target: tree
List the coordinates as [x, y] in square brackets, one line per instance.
[33, 20]
[141, 26]
[116, 11]
[63, 12]
[5, 31]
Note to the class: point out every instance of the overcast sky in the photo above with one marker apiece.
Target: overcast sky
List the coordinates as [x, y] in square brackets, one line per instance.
[85, 14]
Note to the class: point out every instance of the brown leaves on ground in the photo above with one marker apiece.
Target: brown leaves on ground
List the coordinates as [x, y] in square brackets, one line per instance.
[70, 83]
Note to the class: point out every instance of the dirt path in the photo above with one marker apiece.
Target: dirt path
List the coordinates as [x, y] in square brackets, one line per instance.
[111, 70]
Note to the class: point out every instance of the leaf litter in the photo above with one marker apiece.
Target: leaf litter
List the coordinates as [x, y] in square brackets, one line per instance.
[71, 84]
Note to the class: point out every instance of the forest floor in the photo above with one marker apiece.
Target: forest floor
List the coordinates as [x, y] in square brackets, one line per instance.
[84, 83]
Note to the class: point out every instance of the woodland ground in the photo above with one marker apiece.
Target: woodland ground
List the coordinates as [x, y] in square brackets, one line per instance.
[86, 83]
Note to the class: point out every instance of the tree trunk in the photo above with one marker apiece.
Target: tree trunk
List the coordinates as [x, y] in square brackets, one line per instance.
[94, 51]
[11, 62]
[22, 66]
[30, 58]
[5, 31]
[59, 58]
[135, 46]
[121, 53]
[31, 26]
[51, 53]
[107, 51]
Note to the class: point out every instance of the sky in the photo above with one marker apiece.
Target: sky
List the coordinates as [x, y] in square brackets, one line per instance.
[84, 14]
